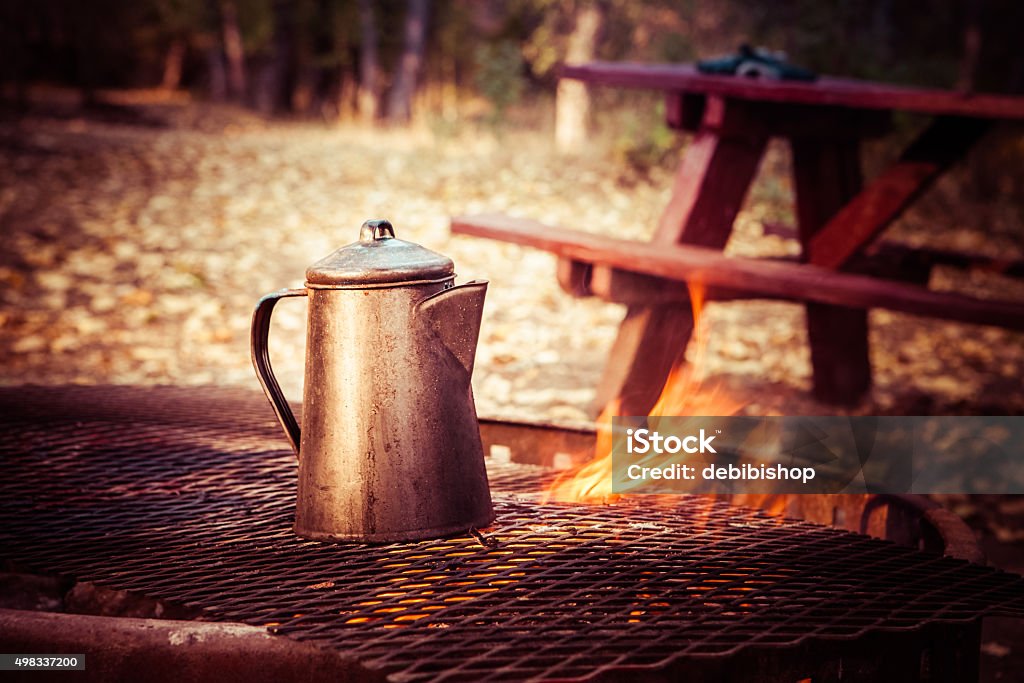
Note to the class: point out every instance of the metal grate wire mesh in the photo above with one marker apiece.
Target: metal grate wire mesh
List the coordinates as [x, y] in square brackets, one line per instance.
[187, 495]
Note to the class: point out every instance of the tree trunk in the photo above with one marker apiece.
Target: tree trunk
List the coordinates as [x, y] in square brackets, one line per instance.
[233, 50]
[217, 80]
[368, 96]
[347, 101]
[572, 99]
[449, 88]
[972, 47]
[14, 62]
[173, 61]
[216, 76]
[284, 68]
[882, 32]
[85, 29]
[400, 98]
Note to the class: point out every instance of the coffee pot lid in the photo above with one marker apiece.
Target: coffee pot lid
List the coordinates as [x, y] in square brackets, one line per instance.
[378, 258]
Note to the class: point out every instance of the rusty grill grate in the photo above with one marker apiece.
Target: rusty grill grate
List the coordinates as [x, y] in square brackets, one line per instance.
[187, 495]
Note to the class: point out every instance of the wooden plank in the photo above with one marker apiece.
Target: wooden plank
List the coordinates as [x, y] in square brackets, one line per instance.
[803, 282]
[687, 111]
[893, 252]
[618, 286]
[943, 142]
[623, 287]
[684, 111]
[710, 184]
[892, 255]
[713, 177]
[650, 341]
[827, 173]
[574, 277]
[840, 92]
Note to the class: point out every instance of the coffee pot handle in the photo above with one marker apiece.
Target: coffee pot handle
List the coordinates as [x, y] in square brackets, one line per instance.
[261, 361]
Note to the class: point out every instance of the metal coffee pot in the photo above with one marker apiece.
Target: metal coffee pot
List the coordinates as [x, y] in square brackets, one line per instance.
[389, 448]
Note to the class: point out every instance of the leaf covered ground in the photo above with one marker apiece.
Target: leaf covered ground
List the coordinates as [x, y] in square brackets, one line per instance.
[134, 254]
[134, 249]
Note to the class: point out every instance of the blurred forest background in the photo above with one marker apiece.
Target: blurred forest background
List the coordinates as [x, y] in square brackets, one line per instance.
[446, 63]
[391, 58]
[142, 141]
[164, 163]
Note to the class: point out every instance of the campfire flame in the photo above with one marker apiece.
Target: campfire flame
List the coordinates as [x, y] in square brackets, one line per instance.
[686, 393]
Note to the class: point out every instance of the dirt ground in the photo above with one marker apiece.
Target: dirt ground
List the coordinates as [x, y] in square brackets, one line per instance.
[136, 243]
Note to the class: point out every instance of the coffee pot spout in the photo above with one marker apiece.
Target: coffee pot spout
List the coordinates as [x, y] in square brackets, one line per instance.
[454, 317]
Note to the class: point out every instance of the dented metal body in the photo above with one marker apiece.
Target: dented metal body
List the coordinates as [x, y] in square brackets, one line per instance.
[389, 448]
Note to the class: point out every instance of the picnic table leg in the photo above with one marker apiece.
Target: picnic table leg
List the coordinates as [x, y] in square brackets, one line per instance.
[942, 143]
[712, 180]
[827, 175]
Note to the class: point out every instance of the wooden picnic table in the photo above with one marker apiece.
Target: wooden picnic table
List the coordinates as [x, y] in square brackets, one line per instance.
[839, 218]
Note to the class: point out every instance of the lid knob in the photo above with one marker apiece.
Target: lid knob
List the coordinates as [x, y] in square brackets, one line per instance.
[379, 229]
[378, 258]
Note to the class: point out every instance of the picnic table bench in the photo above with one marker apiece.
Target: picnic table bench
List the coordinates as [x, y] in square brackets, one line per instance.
[843, 270]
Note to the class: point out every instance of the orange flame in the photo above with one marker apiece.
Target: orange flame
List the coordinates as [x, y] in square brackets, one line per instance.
[591, 483]
[685, 394]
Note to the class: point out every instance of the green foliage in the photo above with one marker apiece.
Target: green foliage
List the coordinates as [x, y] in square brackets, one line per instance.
[180, 17]
[503, 49]
[919, 42]
[675, 47]
[641, 142]
[499, 75]
[545, 27]
[256, 24]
